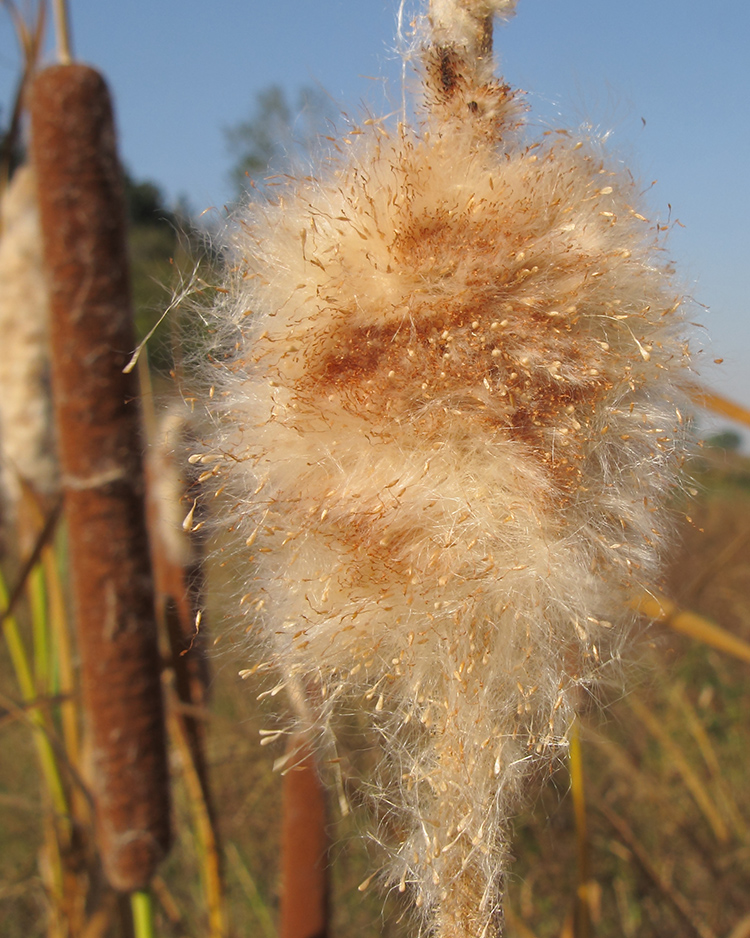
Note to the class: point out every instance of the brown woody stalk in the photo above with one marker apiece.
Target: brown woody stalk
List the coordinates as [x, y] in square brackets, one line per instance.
[98, 426]
[304, 849]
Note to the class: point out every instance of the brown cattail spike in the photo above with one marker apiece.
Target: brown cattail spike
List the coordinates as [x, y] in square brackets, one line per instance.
[83, 223]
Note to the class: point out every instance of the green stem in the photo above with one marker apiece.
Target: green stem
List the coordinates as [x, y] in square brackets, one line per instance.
[142, 907]
[16, 650]
[36, 716]
[37, 594]
[62, 652]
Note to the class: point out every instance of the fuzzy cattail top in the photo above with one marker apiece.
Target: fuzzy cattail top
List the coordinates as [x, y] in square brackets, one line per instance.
[445, 418]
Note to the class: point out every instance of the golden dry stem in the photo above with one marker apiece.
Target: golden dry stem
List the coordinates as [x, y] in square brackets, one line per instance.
[304, 848]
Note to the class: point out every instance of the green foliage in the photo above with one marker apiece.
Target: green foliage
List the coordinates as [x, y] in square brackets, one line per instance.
[145, 205]
[726, 439]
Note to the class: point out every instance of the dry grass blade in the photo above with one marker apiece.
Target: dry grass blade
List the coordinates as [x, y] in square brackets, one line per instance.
[640, 784]
[582, 906]
[678, 902]
[699, 734]
[692, 782]
[252, 893]
[568, 930]
[210, 867]
[719, 404]
[663, 610]
[30, 33]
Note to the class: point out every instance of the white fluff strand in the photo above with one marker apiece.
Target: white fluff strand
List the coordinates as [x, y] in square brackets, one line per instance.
[445, 418]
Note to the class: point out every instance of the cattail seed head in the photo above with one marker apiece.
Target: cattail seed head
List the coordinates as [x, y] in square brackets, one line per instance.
[26, 437]
[447, 377]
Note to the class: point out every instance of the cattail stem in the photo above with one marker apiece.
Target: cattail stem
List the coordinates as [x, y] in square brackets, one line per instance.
[466, 23]
[62, 29]
[304, 849]
[582, 915]
[83, 223]
[142, 908]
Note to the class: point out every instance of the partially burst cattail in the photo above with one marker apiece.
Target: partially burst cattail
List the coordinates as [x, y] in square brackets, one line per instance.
[446, 416]
[26, 438]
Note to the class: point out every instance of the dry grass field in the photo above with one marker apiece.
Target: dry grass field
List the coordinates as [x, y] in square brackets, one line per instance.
[666, 850]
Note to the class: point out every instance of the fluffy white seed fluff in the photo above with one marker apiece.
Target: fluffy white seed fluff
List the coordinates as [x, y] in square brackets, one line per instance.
[444, 421]
[26, 450]
[169, 478]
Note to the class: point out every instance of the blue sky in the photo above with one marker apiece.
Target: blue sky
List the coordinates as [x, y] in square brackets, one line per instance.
[181, 71]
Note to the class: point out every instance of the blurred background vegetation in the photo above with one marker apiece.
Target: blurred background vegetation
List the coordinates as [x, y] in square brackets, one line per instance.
[666, 850]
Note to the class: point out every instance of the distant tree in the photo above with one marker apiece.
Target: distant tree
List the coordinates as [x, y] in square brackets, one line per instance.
[11, 149]
[277, 135]
[726, 439]
[145, 203]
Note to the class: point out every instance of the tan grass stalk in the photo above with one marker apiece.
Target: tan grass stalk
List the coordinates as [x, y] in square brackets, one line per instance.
[83, 223]
[582, 905]
[741, 929]
[30, 35]
[676, 757]
[724, 797]
[663, 610]
[304, 847]
[719, 404]
[62, 32]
